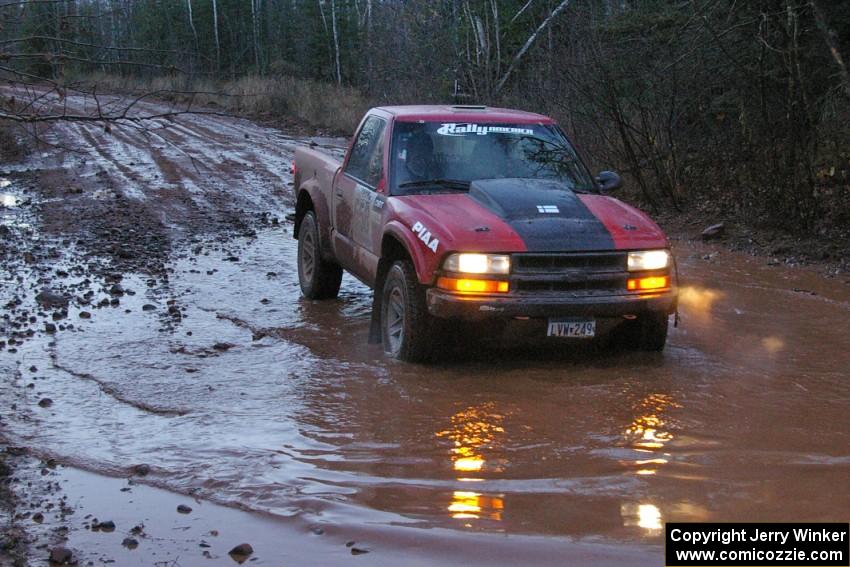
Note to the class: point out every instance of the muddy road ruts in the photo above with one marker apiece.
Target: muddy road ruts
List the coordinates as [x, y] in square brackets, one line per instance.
[205, 365]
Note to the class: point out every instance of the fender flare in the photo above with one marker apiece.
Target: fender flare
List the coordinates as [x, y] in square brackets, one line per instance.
[398, 232]
[314, 191]
[404, 235]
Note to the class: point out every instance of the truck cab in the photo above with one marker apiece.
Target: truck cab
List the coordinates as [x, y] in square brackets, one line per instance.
[469, 213]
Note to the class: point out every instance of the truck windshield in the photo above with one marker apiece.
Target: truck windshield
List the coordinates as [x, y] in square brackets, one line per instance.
[435, 156]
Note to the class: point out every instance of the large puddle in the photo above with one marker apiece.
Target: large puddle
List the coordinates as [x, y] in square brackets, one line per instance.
[234, 390]
[266, 401]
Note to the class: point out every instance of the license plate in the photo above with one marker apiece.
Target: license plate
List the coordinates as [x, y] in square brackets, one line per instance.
[572, 328]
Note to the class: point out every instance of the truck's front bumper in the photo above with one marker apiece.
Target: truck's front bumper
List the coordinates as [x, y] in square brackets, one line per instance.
[448, 305]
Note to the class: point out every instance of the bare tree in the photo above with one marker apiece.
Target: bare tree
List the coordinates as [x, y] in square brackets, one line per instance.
[192, 22]
[217, 40]
[831, 42]
[528, 43]
[255, 30]
[336, 43]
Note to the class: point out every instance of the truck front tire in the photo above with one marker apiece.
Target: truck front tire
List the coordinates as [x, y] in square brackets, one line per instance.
[407, 328]
[319, 278]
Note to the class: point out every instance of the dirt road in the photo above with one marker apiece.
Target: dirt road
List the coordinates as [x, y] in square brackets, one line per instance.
[156, 352]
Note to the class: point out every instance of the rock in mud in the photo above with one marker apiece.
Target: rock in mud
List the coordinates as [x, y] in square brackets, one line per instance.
[148, 307]
[354, 549]
[141, 470]
[116, 290]
[49, 328]
[85, 315]
[107, 526]
[49, 299]
[130, 543]
[183, 509]
[61, 556]
[45, 402]
[241, 552]
[714, 231]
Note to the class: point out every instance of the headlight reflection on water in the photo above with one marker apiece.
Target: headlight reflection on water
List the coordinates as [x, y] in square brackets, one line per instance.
[473, 506]
[472, 432]
[646, 516]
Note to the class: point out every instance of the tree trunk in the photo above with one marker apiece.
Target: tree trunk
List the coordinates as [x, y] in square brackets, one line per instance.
[192, 25]
[217, 41]
[369, 61]
[255, 32]
[832, 44]
[336, 43]
[497, 34]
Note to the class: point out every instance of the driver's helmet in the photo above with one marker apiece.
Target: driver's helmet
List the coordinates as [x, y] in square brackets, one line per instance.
[419, 159]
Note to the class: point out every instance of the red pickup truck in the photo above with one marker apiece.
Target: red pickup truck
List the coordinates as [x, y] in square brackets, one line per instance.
[455, 214]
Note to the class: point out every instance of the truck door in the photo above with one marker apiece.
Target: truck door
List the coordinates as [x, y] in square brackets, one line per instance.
[354, 198]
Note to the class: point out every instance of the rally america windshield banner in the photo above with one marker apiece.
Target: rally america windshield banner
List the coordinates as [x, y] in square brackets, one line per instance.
[455, 129]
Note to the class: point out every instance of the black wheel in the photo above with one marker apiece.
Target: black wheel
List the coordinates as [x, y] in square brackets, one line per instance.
[406, 325]
[319, 278]
[648, 332]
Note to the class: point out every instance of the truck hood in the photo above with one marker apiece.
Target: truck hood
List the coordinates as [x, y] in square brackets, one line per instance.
[534, 215]
[549, 217]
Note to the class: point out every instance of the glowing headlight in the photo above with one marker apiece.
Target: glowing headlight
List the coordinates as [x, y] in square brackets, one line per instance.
[478, 263]
[648, 260]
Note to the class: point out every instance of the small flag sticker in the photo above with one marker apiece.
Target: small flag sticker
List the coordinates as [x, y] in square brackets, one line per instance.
[548, 209]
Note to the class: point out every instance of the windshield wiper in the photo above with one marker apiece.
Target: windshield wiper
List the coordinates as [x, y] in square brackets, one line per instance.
[446, 183]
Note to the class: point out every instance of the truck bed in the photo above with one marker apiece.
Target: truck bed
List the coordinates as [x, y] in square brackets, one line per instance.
[318, 165]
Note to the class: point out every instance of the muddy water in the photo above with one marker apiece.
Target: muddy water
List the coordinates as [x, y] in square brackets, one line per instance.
[277, 404]
[258, 399]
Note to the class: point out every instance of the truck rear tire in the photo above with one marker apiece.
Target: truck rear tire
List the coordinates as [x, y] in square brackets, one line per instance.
[319, 278]
[648, 332]
[407, 328]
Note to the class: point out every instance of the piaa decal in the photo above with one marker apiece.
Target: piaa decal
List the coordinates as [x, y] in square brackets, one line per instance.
[425, 236]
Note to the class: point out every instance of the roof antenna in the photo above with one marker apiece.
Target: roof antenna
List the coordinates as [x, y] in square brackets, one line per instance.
[458, 96]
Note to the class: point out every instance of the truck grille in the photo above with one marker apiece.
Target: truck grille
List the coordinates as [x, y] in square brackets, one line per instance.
[578, 274]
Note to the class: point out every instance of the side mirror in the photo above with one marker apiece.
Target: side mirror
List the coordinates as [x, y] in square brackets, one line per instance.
[609, 181]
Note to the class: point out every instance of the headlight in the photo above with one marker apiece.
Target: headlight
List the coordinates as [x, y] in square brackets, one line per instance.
[478, 264]
[648, 260]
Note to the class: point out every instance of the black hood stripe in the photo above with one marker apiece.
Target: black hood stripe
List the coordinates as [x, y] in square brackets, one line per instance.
[545, 214]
